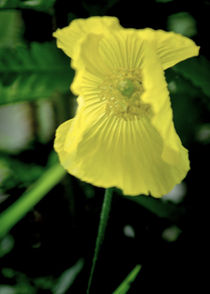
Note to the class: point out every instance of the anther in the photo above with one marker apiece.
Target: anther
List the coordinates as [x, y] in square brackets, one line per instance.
[126, 87]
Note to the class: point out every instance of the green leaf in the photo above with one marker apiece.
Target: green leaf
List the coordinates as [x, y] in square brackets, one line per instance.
[42, 5]
[67, 278]
[14, 173]
[186, 97]
[33, 73]
[9, 3]
[159, 208]
[197, 70]
[182, 23]
[6, 245]
[125, 285]
[171, 234]
[31, 197]
[11, 28]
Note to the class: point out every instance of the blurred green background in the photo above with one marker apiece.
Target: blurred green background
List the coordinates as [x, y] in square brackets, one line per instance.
[49, 220]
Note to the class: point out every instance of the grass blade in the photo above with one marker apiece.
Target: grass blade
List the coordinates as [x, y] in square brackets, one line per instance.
[125, 285]
[36, 192]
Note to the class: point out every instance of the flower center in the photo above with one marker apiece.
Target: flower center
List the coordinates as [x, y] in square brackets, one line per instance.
[121, 92]
[126, 87]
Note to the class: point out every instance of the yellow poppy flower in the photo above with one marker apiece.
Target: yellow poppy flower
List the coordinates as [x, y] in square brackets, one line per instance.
[123, 133]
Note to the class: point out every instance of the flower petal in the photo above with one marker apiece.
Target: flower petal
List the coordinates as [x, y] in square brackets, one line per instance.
[115, 49]
[97, 63]
[171, 47]
[108, 151]
[156, 94]
[88, 57]
[102, 55]
[68, 37]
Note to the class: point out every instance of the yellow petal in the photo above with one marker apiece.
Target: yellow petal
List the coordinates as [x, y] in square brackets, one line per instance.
[103, 55]
[171, 47]
[108, 151]
[156, 94]
[88, 57]
[68, 37]
[115, 49]
[139, 155]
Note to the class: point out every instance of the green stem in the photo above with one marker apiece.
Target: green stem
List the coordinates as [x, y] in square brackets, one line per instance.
[101, 231]
[37, 191]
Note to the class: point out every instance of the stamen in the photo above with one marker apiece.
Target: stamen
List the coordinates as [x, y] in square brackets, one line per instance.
[126, 87]
[121, 94]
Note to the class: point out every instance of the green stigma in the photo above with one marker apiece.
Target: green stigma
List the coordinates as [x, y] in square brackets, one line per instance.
[126, 87]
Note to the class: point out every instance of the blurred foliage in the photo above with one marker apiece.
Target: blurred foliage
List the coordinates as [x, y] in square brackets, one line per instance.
[24, 285]
[29, 71]
[11, 28]
[185, 96]
[16, 127]
[32, 73]
[203, 133]
[40, 5]
[197, 71]
[16, 175]
[6, 245]
[182, 23]
[171, 234]
[67, 278]
[35, 192]
[160, 208]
